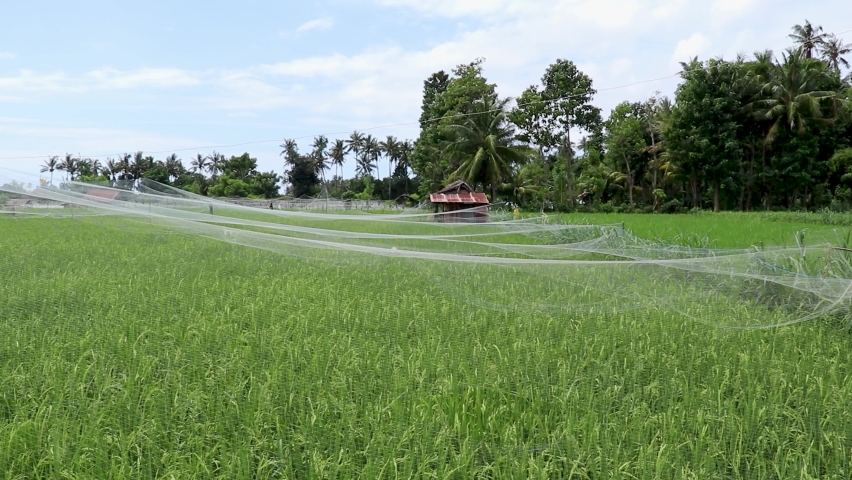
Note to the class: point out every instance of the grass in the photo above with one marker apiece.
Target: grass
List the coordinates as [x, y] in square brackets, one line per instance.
[128, 351]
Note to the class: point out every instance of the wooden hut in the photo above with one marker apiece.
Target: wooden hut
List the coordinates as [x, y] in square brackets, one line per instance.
[459, 203]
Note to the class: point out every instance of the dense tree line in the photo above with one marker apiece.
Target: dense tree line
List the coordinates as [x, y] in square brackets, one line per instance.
[763, 131]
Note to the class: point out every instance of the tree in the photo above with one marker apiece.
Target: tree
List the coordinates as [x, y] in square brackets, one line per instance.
[807, 37]
[319, 155]
[371, 151]
[199, 164]
[391, 148]
[173, 167]
[625, 140]
[482, 146]
[446, 101]
[793, 95]
[290, 152]
[566, 104]
[265, 184]
[70, 166]
[302, 177]
[702, 135]
[50, 165]
[338, 155]
[832, 50]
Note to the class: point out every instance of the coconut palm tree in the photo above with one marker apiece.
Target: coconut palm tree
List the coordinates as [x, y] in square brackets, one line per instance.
[290, 152]
[355, 142]
[403, 163]
[391, 148]
[807, 37]
[215, 163]
[372, 150]
[112, 168]
[482, 145]
[173, 166]
[832, 50]
[319, 154]
[793, 94]
[50, 165]
[70, 166]
[199, 164]
[338, 155]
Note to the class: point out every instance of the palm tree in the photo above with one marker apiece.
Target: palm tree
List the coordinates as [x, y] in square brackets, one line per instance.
[403, 163]
[338, 155]
[124, 164]
[483, 146]
[290, 152]
[319, 147]
[833, 49]
[139, 166]
[70, 166]
[807, 37]
[391, 148]
[173, 166]
[216, 161]
[112, 167]
[793, 95]
[49, 166]
[199, 164]
[355, 142]
[363, 166]
[371, 151]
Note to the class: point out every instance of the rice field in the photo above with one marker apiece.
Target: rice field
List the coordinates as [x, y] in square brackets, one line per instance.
[129, 350]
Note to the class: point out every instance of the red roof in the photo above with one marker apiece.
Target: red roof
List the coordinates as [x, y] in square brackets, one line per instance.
[104, 194]
[474, 198]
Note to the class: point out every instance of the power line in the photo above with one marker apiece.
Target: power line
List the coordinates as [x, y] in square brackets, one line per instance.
[377, 127]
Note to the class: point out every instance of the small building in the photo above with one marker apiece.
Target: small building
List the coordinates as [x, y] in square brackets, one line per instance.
[459, 203]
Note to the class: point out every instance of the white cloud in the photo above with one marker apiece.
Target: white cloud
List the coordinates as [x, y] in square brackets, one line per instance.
[316, 24]
[145, 77]
[7, 56]
[694, 46]
[732, 9]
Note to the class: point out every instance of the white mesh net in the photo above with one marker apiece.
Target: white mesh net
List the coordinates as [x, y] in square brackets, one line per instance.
[140, 338]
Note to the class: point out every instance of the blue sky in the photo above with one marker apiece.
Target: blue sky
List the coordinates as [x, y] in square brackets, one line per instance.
[103, 77]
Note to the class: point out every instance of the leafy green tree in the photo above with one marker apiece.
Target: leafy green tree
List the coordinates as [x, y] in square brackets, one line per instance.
[625, 140]
[446, 101]
[265, 184]
[303, 179]
[703, 131]
[547, 116]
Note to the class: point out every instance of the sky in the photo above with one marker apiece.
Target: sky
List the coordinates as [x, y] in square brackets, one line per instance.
[100, 77]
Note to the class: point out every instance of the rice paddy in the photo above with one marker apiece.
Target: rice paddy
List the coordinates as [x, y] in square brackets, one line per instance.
[130, 350]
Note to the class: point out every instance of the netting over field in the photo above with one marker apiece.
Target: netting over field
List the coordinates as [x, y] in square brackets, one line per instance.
[530, 265]
[158, 334]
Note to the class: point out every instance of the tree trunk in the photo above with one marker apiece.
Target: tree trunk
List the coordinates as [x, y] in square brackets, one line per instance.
[494, 192]
[656, 162]
[569, 161]
[716, 196]
[629, 179]
[696, 191]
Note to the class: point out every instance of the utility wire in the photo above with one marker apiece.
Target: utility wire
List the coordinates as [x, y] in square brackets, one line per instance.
[377, 127]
